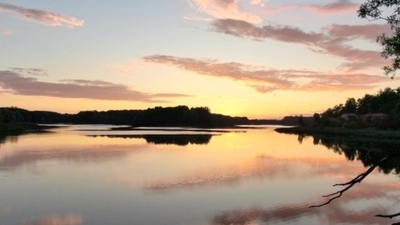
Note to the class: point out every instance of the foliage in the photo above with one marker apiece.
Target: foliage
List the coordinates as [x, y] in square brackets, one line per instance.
[158, 116]
[387, 135]
[300, 120]
[377, 10]
[386, 101]
[316, 118]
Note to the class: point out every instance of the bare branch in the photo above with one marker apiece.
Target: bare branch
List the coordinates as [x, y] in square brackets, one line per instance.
[351, 183]
[388, 216]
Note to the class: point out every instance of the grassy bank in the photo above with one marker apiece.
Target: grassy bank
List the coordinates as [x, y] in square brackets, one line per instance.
[337, 131]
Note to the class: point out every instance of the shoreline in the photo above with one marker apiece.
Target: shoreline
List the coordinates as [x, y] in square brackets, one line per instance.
[23, 128]
[337, 131]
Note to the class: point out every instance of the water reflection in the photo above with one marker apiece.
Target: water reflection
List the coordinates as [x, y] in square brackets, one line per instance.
[368, 151]
[290, 213]
[168, 139]
[67, 148]
[8, 138]
[261, 167]
[72, 219]
[337, 212]
[137, 177]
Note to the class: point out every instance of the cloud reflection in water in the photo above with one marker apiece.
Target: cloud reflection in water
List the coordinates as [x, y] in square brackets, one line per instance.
[337, 212]
[72, 219]
[260, 167]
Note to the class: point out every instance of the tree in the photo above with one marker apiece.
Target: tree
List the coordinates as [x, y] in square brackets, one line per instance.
[316, 118]
[377, 10]
[350, 106]
[300, 120]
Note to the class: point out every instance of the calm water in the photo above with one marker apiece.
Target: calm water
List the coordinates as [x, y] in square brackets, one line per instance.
[87, 175]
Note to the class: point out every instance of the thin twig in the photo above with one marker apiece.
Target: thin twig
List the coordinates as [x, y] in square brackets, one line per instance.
[388, 216]
[351, 183]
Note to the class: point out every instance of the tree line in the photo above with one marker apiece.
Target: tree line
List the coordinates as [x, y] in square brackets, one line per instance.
[158, 116]
[386, 102]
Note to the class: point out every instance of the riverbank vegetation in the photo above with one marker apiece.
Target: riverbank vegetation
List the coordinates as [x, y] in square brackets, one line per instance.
[372, 116]
[15, 129]
[179, 116]
[158, 116]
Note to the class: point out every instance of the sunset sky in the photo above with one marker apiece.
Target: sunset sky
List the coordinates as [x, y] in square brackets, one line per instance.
[255, 58]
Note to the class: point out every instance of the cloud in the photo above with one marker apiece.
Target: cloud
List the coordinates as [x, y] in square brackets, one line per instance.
[368, 32]
[240, 28]
[89, 89]
[46, 18]
[225, 9]
[266, 80]
[337, 7]
[257, 2]
[332, 42]
[340, 6]
[30, 71]
[72, 219]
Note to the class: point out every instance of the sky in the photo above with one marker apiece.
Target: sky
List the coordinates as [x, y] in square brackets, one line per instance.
[262, 59]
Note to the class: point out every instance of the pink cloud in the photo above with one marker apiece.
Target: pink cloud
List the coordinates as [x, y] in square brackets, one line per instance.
[89, 89]
[337, 7]
[340, 6]
[241, 28]
[224, 9]
[47, 18]
[368, 32]
[266, 80]
[332, 42]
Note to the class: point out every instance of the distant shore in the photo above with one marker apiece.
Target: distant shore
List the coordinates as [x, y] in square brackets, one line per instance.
[337, 131]
[22, 128]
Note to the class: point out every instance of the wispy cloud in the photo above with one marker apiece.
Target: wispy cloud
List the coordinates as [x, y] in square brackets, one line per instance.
[30, 71]
[367, 32]
[267, 80]
[89, 89]
[224, 9]
[257, 2]
[337, 7]
[47, 18]
[331, 41]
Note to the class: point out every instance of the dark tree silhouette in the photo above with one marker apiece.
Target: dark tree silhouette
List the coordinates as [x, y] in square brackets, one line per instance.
[158, 116]
[389, 11]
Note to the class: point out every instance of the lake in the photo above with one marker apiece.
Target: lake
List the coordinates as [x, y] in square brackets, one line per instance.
[87, 174]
